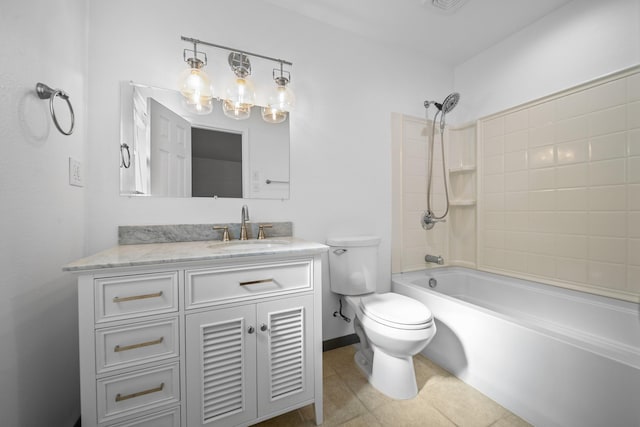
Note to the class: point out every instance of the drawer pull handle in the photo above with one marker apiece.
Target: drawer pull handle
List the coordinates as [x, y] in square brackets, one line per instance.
[119, 348]
[255, 282]
[120, 398]
[136, 297]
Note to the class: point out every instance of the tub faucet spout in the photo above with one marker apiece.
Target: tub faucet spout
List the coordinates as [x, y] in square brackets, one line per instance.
[436, 259]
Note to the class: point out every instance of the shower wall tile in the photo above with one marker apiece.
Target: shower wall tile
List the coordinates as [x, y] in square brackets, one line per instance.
[495, 201]
[572, 129]
[610, 198]
[542, 179]
[633, 142]
[633, 115]
[515, 161]
[543, 135]
[633, 252]
[541, 157]
[633, 196]
[494, 165]
[609, 224]
[609, 146]
[517, 201]
[516, 181]
[633, 224]
[608, 121]
[572, 176]
[539, 243]
[573, 152]
[516, 121]
[516, 141]
[570, 246]
[572, 199]
[608, 95]
[633, 88]
[634, 170]
[608, 172]
[541, 265]
[605, 249]
[572, 105]
[542, 114]
[494, 146]
[494, 238]
[572, 270]
[544, 200]
[517, 240]
[608, 275]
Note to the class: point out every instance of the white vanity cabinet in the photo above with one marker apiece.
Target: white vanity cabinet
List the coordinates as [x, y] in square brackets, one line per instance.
[223, 341]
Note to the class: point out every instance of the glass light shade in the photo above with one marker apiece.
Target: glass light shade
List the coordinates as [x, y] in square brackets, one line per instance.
[273, 115]
[282, 98]
[201, 107]
[195, 85]
[239, 98]
[236, 111]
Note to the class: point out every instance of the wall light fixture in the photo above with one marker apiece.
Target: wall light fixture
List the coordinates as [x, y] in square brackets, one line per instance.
[239, 97]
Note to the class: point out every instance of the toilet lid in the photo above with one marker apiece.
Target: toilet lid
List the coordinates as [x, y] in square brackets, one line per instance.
[396, 310]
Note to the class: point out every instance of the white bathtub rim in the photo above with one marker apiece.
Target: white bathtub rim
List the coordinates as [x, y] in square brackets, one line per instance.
[610, 349]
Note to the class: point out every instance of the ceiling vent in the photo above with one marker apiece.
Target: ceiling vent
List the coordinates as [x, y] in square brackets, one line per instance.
[447, 6]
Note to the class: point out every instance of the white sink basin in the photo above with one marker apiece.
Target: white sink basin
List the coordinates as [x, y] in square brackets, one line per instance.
[249, 245]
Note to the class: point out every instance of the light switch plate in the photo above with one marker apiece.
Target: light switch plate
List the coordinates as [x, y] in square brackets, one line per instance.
[76, 174]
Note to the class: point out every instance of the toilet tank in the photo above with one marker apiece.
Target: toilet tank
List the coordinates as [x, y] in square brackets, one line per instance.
[353, 264]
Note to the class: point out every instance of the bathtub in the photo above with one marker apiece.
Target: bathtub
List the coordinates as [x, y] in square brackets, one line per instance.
[553, 356]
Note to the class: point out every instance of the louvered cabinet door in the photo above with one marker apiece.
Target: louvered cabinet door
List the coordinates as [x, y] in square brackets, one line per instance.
[285, 353]
[221, 367]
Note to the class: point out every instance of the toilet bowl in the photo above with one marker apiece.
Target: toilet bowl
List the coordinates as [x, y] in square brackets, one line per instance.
[392, 328]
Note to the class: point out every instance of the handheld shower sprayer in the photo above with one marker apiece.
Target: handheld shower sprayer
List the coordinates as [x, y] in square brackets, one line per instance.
[429, 218]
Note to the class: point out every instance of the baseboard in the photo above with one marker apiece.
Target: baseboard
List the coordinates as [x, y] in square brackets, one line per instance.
[339, 342]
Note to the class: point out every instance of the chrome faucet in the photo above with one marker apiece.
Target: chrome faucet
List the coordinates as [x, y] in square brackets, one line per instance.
[436, 259]
[243, 220]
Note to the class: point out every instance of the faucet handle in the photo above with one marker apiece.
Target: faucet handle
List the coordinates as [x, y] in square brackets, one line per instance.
[225, 233]
[261, 228]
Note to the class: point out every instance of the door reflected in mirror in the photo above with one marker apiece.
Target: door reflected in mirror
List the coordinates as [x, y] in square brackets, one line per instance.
[169, 150]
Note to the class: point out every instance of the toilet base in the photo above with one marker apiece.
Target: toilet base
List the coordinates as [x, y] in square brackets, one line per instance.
[392, 376]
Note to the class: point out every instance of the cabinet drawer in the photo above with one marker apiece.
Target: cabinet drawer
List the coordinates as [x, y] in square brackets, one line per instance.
[134, 344]
[219, 285]
[163, 419]
[134, 296]
[138, 391]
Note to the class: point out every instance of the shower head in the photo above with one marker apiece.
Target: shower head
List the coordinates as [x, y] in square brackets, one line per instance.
[449, 103]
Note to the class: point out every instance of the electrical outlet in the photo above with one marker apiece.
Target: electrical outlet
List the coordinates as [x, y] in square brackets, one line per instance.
[76, 175]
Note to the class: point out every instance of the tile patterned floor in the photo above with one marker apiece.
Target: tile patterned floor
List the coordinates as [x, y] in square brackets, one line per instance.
[443, 400]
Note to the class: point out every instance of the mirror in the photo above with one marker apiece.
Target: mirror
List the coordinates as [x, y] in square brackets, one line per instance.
[168, 150]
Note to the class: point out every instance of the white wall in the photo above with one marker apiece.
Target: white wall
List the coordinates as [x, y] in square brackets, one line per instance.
[346, 88]
[579, 42]
[42, 217]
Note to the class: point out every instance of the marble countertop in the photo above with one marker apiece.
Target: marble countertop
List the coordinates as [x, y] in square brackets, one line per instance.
[164, 253]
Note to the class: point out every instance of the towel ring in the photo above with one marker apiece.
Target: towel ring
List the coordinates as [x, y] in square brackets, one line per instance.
[45, 92]
[125, 163]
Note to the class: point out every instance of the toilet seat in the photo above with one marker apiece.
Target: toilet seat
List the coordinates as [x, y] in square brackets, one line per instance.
[396, 311]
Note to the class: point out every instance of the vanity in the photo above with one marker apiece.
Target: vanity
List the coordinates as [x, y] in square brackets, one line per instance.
[200, 332]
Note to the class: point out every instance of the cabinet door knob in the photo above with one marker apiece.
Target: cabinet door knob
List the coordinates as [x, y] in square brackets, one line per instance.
[251, 329]
[263, 327]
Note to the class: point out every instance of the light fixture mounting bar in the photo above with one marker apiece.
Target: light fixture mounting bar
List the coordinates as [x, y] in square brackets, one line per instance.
[231, 49]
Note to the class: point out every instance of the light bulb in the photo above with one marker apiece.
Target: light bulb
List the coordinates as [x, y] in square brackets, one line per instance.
[239, 99]
[282, 98]
[195, 85]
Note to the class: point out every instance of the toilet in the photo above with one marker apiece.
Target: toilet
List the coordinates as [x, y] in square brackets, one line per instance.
[392, 328]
